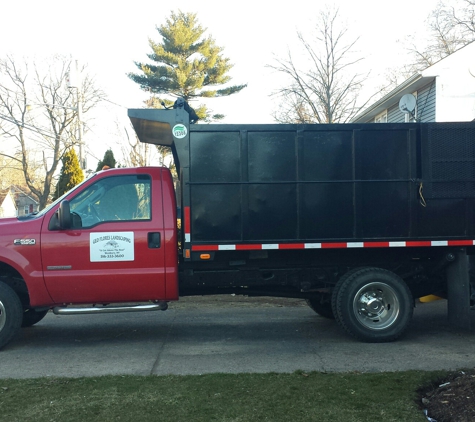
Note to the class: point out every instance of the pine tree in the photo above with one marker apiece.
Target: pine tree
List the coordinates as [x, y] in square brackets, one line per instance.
[71, 173]
[186, 64]
[108, 160]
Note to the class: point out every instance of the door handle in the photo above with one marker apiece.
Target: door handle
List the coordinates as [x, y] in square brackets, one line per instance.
[154, 240]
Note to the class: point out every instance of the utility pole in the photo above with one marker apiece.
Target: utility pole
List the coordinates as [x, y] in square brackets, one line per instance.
[82, 159]
[75, 83]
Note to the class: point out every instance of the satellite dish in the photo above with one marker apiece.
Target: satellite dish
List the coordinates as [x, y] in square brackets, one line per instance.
[407, 103]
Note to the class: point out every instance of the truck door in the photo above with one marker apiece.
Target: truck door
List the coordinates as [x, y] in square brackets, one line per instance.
[113, 252]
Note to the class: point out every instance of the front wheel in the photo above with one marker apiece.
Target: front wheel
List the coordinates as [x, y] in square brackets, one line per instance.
[374, 305]
[11, 314]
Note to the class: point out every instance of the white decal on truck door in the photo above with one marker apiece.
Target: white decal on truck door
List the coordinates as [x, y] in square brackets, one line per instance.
[111, 246]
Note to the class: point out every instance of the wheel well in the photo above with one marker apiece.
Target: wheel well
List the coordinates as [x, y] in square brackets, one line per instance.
[13, 279]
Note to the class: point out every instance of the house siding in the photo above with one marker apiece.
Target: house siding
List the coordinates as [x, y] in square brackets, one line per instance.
[395, 115]
[426, 103]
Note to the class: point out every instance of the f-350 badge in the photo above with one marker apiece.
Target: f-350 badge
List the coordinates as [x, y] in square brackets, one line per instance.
[24, 242]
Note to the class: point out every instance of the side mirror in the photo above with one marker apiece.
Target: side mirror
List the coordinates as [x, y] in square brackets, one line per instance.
[64, 215]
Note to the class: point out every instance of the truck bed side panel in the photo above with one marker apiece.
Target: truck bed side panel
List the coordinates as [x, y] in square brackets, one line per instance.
[262, 185]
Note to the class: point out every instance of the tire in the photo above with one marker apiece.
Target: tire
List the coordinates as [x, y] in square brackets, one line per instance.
[11, 314]
[322, 306]
[374, 305]
[337, 288]
[31, 317]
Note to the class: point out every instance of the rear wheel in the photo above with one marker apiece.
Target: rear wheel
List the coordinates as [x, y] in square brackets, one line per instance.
[11, 314]
[374, 305]
[31, 317]
[341, 281]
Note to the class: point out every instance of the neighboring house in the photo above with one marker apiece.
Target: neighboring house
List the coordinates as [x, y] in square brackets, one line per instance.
[7, 204]
[24, 202]
[444, 92]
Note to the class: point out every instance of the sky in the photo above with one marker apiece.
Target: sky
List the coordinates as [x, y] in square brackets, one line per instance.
[110, 36]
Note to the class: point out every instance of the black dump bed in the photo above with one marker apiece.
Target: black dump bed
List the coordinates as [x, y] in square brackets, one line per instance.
[258, 184]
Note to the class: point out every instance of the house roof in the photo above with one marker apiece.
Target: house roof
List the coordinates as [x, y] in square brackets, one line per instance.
[17, 191]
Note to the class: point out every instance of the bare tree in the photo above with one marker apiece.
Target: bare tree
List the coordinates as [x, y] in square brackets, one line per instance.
[136, 153]
[10, 172]
[39, 116]
[451, 26]
[327, 91]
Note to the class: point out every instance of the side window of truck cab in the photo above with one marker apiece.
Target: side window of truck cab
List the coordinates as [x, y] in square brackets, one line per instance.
[116, 198]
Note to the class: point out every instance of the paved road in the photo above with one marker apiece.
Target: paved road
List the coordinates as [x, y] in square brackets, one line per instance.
[197, 338]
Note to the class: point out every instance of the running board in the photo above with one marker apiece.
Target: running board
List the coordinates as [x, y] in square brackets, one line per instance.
[62, 310]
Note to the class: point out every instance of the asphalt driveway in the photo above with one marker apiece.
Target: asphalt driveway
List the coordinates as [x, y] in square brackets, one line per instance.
[227, 334]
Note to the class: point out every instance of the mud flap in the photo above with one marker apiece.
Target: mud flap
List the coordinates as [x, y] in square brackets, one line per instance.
[458, 293]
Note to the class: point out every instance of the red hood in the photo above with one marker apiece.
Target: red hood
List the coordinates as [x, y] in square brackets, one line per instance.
[8, 220]
[13, 226]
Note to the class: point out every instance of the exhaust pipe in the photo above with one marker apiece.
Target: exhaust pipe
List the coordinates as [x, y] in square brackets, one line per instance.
[63, 310]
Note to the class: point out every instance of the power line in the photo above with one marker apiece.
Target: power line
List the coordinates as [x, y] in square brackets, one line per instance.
[24, 125]
[54, 105]
[27, 126]
[112, 102]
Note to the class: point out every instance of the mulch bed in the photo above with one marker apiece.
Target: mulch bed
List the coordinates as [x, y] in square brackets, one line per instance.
[451, 399]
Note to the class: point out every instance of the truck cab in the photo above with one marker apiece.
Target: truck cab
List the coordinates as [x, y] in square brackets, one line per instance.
[112, 239]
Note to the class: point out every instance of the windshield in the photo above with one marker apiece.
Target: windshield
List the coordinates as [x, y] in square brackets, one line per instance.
[52, 205]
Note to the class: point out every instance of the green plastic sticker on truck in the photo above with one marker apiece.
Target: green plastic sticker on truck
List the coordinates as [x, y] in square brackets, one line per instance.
[180, 131]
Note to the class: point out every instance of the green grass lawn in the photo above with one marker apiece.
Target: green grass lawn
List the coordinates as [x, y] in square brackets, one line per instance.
[299, 396]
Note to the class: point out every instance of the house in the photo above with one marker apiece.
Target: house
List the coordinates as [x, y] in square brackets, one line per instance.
[25, 203]
[7, 204]
[443, 92]
[15, 202]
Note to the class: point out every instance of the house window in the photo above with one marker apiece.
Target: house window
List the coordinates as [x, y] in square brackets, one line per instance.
[382, 117]
[26, 209]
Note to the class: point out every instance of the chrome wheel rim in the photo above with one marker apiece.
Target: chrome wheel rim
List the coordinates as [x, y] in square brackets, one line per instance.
[376, 306]
[3, 316]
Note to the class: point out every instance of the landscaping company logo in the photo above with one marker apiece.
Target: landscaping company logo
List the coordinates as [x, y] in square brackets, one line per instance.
[180, 131]
[116, 246]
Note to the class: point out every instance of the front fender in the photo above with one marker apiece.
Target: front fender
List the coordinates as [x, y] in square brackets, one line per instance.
[20, 250]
